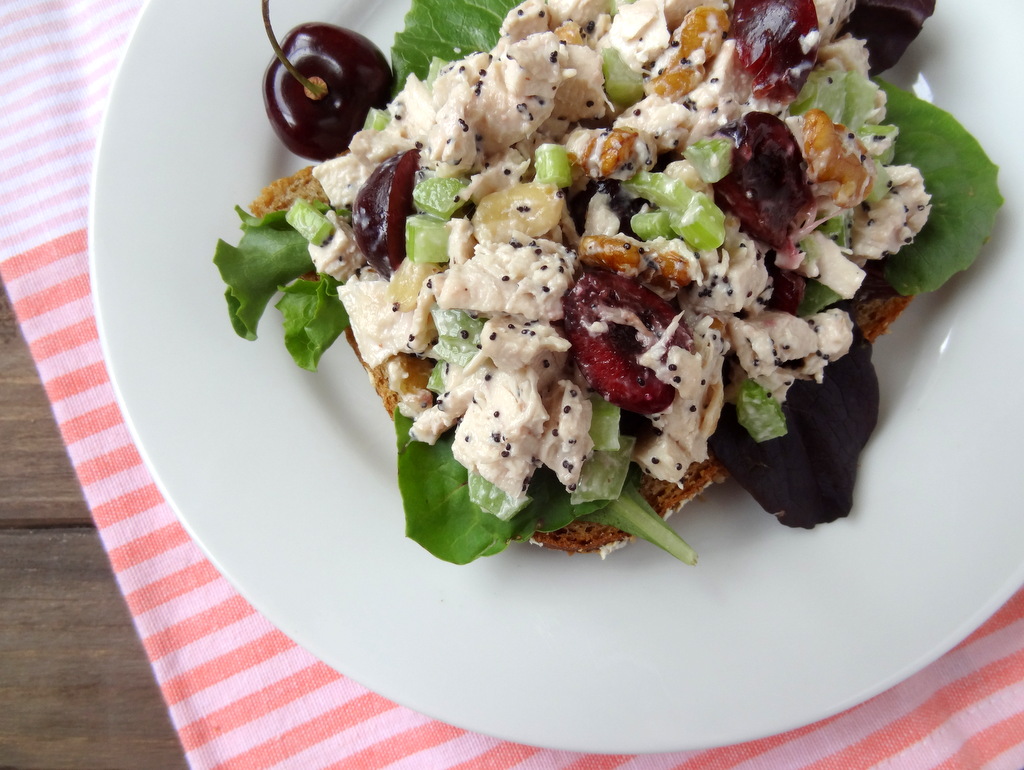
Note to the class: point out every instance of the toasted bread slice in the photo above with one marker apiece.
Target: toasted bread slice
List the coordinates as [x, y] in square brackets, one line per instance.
[874, 313]
[282, 193]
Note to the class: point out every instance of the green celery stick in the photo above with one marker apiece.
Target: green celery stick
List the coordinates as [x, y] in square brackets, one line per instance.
[309, 222]
[552, 165]
[440, 196]
[426, 239]
[759, 412]
[621, 83]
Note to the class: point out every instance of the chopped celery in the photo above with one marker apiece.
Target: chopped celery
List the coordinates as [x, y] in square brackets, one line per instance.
[860, 100]
[623, 85]
[701, 224]
[871, 136]
[823, 90]
[604, 424]
[693, 215]
[809, 246]
[435, 382]
[426, 239]
[440, 196]
[493, 499]
[454, 350]
[633, 514]
[649, 225]
[759, 412]
[604, 473]
[817, 297]
[661, 190]
[552, 165]
[457, 323]
[458, 335]
[436, 65]
[711, 157]
[309, 222]
[846, 97]
[837, 229]
[881, 185]
[377, 119]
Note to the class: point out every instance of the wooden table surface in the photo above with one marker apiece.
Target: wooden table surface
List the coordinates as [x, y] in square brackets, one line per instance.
[76, 689]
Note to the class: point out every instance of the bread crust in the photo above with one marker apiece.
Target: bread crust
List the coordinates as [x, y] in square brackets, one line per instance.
[874, 311]
[282, 193]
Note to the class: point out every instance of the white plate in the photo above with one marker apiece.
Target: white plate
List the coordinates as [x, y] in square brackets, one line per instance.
[286, 478]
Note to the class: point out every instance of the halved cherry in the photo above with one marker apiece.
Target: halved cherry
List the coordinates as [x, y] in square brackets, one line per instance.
[602, 314]
[776, 43]
[767, 187]
[787, 289]
[380, 209]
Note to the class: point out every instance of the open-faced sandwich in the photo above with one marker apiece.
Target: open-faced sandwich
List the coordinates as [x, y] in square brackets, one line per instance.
[626, 252]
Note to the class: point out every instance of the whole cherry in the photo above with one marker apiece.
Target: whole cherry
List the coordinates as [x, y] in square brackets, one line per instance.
[320, 86]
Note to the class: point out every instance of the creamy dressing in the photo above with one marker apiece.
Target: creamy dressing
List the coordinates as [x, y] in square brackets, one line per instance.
[525, 279]
[381, 327]
[883, 228]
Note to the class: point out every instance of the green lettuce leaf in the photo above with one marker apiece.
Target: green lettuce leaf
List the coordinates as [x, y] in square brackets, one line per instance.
[552, 507]
[445, 30]
[965, 194]
[633, 514]
[440, 516]
[435, 494]
[313, 316]
[270, 254]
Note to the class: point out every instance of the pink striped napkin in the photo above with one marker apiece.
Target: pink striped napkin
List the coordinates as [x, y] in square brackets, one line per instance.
[240, 693]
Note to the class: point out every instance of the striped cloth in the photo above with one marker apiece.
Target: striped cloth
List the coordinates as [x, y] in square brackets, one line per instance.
[240, 693]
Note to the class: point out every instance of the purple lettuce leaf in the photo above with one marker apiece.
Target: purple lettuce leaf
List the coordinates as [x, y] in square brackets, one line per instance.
[888, 27]
[807, 477]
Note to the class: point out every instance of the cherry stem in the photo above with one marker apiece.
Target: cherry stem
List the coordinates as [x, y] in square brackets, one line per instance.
[315, 88]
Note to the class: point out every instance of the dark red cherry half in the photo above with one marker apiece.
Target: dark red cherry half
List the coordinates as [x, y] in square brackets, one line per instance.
[380, 209]
[767, 187]
[607, 352]
[787, 289]
[357, 76]
[776, 44]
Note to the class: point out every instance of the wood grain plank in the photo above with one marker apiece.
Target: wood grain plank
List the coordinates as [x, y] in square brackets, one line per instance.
[37, 484]
[76, 690]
